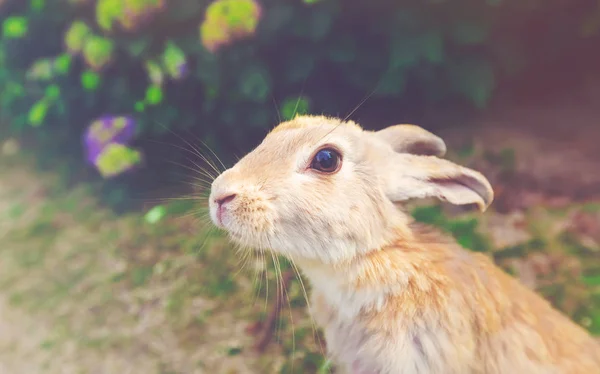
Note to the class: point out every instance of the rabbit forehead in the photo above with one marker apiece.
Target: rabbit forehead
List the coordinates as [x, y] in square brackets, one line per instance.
[315, 122]
[295, 145]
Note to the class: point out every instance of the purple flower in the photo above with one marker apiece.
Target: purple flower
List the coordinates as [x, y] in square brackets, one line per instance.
[182, 70]
[107, 130]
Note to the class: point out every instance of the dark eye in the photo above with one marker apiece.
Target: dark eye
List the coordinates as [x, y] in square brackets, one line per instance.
[326, 160]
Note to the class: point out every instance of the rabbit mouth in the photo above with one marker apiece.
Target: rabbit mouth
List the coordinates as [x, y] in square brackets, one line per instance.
[247, 226]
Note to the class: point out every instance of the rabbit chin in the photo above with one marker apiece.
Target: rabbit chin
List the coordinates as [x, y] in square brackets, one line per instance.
[292, 242]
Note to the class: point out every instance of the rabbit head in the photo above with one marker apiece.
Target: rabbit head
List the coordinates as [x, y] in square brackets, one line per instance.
[324, 189]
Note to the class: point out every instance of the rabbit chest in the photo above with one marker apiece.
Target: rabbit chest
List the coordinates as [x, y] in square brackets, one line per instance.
[358, 345]
[371, 333]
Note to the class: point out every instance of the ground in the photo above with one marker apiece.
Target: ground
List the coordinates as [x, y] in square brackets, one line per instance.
[83, 290]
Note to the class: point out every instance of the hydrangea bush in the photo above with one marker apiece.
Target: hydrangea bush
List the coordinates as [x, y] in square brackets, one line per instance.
[226, 69]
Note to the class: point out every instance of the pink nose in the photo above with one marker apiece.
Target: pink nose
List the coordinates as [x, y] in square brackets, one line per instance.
[222, 200]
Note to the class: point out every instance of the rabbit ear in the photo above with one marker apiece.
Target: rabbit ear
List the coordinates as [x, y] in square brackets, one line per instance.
[412, 139]
[428, 176]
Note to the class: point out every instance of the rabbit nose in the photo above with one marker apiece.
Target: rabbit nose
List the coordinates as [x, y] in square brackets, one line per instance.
[224, 199]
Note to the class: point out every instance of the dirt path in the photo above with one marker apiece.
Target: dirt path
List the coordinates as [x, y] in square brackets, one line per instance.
[31, 340]
[63, 308]
[20, 339]
[20, 334]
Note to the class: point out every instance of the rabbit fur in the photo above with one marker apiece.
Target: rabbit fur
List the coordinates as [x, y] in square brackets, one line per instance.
[392, 296]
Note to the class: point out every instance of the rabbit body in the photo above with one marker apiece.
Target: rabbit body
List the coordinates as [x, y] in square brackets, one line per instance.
[424, 305]
[393, 297]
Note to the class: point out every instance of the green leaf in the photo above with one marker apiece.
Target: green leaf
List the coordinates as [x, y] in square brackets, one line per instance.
[41, 69]
[37, 113]
[90, 80]
[15, 27]
[52, 92]
[62, 63]
[155, 214]
[37, 5]
[154, 95]
[108, 11]
[140, 106]
[174, 60]
[76, 36]
[155, 73]
[97, 51]
[294, 106]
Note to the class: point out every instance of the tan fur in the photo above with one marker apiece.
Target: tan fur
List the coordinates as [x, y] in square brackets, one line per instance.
[393, 297]
[477, 303]
[302, 122]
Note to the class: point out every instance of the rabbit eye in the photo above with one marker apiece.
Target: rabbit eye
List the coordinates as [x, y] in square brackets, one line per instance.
[327, 160]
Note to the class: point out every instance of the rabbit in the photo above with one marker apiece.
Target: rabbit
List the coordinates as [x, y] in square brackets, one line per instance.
[391, 295]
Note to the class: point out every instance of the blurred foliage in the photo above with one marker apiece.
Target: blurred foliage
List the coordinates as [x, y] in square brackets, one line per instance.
[227, 20]
[215, 67]
[566, 271]
[464, 230]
